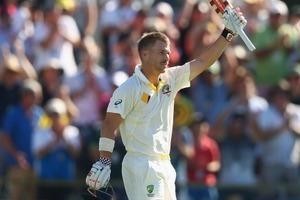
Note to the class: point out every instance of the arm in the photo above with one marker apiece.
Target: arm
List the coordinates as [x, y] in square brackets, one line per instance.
[265, 135]
[234, 21]
[207, 58]
[218, 128]
[186, 13]
[29, 71]
[91, 10]
[99, 175]
[111, 123]
[214, 165]
[7, 144]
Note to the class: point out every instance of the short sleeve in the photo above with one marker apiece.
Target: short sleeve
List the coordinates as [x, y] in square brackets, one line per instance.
[181, 75]
[121, 101]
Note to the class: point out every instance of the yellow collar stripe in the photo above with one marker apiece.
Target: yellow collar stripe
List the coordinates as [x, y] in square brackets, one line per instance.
[160, 84]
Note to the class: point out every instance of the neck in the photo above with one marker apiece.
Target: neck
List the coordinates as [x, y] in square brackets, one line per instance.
[151, 75]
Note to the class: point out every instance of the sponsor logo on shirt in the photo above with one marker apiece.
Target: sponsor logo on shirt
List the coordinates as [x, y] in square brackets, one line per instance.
[119, 101]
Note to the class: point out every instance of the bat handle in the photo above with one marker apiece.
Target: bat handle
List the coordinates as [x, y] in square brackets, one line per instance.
[245, 38]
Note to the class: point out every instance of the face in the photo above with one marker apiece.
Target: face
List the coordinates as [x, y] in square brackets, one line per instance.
[280, 101]
[294, 81]
[201, 128]
[276, 19]
[157, 57]
[50, 75]
[11, 76]
[236, 127]
[29, 100]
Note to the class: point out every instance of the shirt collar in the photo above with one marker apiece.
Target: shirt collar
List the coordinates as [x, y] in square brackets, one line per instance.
[142, 77]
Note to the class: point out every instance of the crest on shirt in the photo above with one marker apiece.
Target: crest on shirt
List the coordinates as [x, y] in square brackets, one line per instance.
[166, 89]
[117, 102]
[150, 189]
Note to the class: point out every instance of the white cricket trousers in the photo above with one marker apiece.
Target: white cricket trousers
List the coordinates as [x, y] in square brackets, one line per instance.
[148, 178]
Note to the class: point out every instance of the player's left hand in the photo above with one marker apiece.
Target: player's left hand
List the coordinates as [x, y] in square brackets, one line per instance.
[233, 20]
[99, 175]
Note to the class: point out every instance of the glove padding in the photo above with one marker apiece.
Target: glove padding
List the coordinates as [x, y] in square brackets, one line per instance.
[233, 20]
[99, 175]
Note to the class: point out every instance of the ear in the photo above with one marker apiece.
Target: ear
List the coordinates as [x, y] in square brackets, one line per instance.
[144, 54]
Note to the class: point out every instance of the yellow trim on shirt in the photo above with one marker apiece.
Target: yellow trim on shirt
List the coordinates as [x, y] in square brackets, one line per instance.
[145, 97]
[160, 84]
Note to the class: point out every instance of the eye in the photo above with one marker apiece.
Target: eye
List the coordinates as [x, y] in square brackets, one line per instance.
[165, 53]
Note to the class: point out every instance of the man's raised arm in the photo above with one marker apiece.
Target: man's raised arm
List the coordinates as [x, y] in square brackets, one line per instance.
[207, 58]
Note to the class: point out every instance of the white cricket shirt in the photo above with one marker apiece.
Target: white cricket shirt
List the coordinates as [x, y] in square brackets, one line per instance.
[148, 111]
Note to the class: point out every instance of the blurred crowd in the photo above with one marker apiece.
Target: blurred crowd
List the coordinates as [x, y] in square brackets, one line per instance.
[60, 61]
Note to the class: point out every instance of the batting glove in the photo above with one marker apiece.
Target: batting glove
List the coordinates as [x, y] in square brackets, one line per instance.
[233, 20]
[99, 175]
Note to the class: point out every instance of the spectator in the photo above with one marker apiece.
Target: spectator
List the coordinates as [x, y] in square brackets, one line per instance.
[165, 14]
[271, 53]
[256, 13]
[293, 79]
[51, 76]
[214, 93]
[13, 71]
[244, 92]
[203, 161]
[10, 83]
[86, 15]
[238, 153]
[116, 17]
[7, 9]
[56, 36]
[292, 31]
[124, 55]
[90, 89]
[243, 98]
[55, 149]
[18, 126]
[275, 128]
[89, 86]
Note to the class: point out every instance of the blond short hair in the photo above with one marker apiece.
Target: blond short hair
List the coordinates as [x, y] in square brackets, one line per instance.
[148, 39]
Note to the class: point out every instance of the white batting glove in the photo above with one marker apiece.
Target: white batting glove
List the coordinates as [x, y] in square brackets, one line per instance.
[99, 175]
[233, 20]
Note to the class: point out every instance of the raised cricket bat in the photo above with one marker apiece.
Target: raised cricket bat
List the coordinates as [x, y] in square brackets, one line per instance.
[220, 6]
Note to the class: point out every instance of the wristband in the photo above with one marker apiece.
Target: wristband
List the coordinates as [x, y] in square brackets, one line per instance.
[105, 161]
[227, 34]
[106, 144]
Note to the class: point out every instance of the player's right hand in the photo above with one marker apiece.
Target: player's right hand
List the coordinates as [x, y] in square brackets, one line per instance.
[233, 20]
[99, 175]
